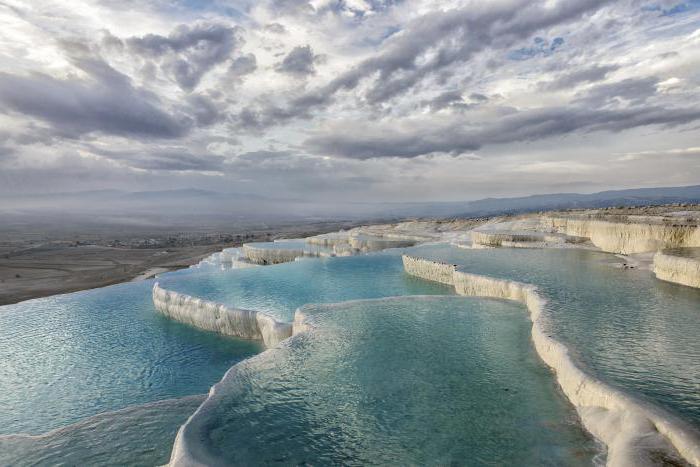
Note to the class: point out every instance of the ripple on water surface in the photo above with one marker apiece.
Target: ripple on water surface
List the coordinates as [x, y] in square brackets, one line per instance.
[400, 381]
[68, 357]
[282, 288]
[138, 435]
[627, 327]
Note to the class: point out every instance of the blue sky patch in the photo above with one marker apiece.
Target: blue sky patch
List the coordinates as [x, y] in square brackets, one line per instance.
[676, 9]
[541, 47]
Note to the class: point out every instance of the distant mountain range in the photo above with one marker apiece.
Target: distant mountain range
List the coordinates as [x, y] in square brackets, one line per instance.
[199, 207]
[631, 197]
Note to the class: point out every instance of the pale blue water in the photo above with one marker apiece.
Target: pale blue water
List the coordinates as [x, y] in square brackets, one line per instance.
[281, 289]
[410, 381]
[140, 435]
[68, 357]
[627, 327]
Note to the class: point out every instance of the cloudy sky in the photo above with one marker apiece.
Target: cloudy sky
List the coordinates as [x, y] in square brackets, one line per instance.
[349, 99]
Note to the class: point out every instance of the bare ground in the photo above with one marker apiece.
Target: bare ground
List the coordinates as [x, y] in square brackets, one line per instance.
[33, 266]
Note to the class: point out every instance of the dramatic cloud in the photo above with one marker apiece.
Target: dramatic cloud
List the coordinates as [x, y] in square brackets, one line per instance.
[432, 43]
[299, 62]
[339, 99]
[168, 159]
[423, 136]
[244, 65]
[108, 103]
[188, 52]
[541, 48]
[633, 90]
[572, 78]
[454, 100]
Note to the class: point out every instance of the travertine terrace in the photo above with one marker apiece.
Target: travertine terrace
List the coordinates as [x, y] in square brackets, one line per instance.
[632, 430]
[203, 314]
[676, 268]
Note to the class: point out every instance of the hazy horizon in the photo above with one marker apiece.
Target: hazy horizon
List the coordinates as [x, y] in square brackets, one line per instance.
[200, 209]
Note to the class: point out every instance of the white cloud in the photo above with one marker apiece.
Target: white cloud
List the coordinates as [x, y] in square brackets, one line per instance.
[378, 80]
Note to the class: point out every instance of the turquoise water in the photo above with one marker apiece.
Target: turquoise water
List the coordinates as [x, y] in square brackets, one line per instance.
[627, 327]
[279, 290]
[68, 357]
[410, 381]
[137, 435]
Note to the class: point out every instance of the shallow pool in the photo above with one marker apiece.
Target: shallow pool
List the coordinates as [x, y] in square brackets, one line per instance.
[280, 289]
[625, 326]
[68, 357]
[429, 379]
[408, 381]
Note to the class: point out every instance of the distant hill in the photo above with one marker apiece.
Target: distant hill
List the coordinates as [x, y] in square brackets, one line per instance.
[631, 197]
[495, 206]
[196, 207]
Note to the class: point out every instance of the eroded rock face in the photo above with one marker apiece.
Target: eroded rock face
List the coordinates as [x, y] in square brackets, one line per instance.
[678, 269]
[210, 316]
[258, 255]
[627, 237]
[429, 270]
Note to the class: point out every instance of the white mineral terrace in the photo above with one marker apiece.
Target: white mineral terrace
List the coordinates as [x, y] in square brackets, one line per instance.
[632, 430]
[259, 255]
[627, 237]
[341, 244]
[614, 234]
[378, 237]
[240, 263]
[522, 239]
[678, 269]
[203, 314]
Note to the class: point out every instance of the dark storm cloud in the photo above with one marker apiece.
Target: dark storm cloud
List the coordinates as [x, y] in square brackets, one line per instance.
[421, 138]
[106, 103]
[431, 44]
[573, 78]
[299, 62]
[189, 52]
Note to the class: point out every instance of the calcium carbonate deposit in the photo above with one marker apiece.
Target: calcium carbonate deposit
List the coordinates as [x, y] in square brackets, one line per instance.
[385, 344]
[681, 266]
[631, 236]
[633, 431]
[219, 318]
